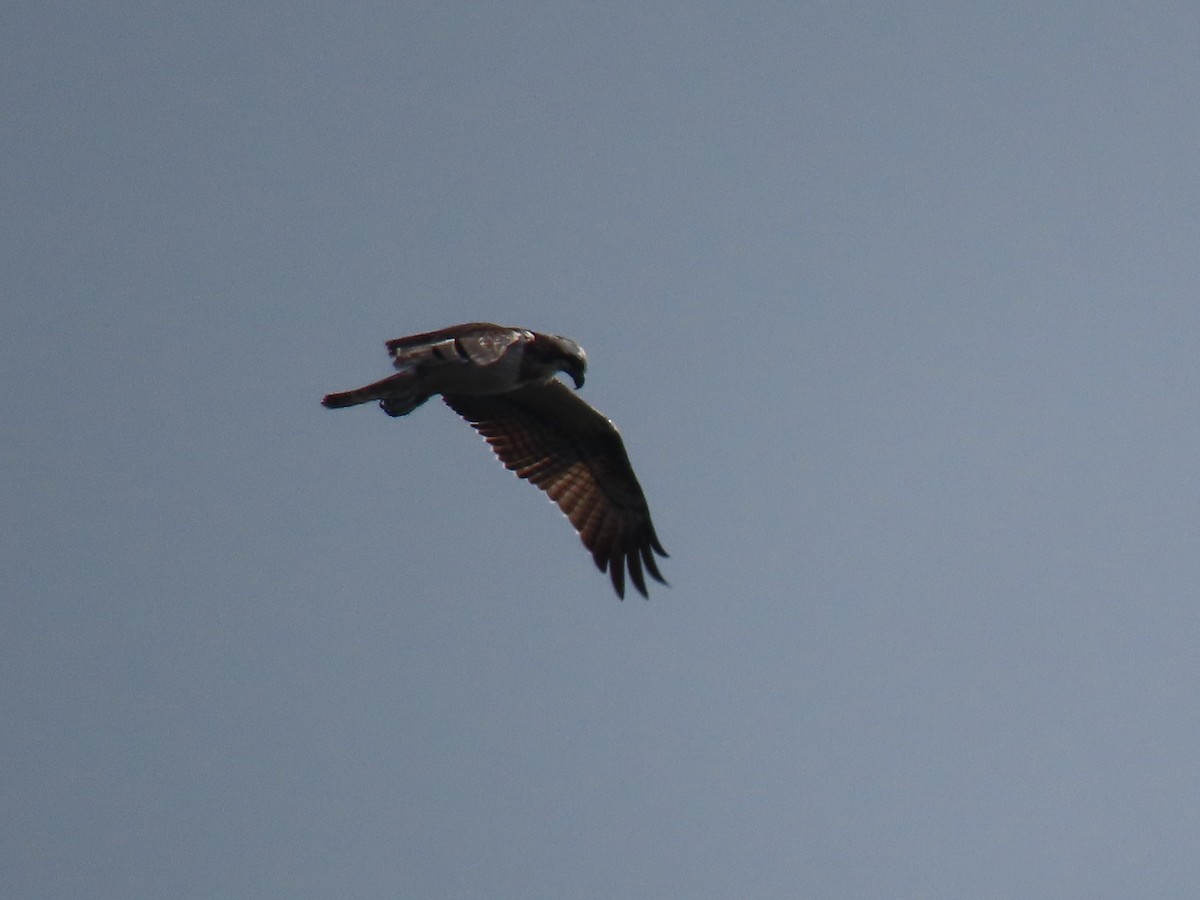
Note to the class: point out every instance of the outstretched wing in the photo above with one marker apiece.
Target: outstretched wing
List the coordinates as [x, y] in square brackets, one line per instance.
[549, 435]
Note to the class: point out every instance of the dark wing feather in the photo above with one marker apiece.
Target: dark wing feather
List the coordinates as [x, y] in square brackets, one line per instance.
[549, 435]
[479, 343]
[433, 337]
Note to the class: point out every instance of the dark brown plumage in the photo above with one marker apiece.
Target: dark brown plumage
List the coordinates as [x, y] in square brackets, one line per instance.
[501, 380]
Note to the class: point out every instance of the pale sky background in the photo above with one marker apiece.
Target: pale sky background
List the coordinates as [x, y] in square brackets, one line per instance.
[896, 304]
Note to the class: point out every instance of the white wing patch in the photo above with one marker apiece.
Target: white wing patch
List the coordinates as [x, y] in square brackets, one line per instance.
[485, 348]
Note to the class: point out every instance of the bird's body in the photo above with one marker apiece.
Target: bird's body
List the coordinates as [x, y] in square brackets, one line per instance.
[477, 358]
[502, 381]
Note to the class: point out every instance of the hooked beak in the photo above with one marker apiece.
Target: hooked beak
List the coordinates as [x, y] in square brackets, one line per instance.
[577, 377]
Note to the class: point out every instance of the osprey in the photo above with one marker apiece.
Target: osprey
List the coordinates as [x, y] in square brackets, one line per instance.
[502, 381]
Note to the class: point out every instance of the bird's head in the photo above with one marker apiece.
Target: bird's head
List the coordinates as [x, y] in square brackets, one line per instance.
[565, 355]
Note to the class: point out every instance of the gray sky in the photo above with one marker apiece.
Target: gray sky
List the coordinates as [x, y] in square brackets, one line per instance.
[895, 304]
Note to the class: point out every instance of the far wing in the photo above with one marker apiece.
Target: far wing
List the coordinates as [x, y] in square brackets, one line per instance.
[549, 435]
[480, 343]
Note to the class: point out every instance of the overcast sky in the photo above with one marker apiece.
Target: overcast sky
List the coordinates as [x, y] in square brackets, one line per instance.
[896, 305]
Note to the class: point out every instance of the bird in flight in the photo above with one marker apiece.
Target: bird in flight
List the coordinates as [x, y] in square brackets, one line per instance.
[502, 381]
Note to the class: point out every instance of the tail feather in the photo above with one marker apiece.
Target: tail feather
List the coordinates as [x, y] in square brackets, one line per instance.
[398, 395]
